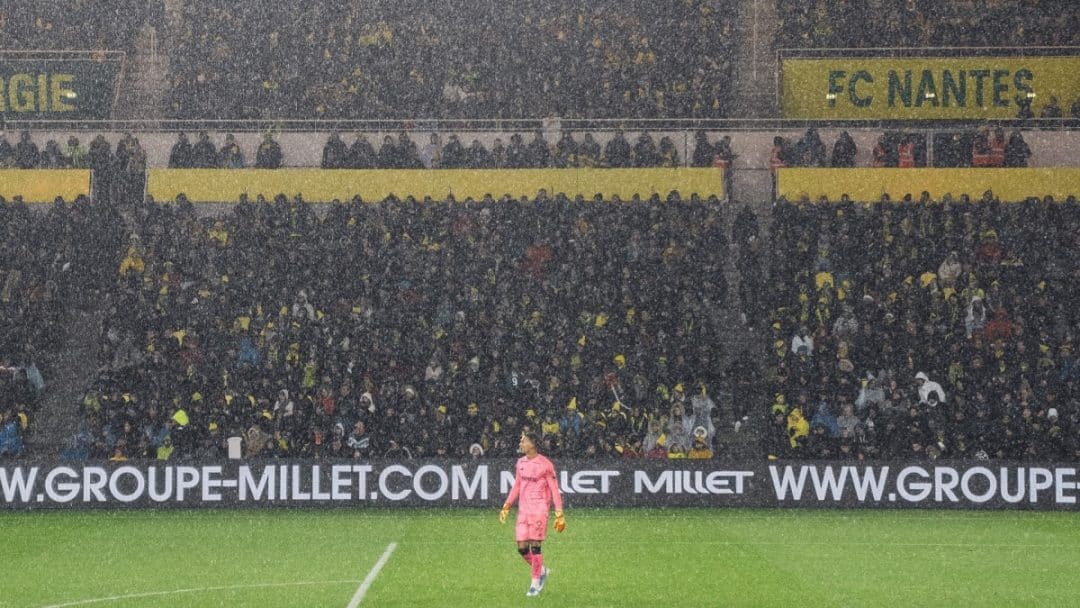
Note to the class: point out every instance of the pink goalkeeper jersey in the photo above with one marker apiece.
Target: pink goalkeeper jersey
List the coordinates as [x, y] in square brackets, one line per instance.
[535, 486]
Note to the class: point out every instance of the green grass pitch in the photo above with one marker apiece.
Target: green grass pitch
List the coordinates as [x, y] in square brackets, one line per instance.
[623, 557]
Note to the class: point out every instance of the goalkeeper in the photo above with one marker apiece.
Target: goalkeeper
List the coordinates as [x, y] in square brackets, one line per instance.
[535, 488]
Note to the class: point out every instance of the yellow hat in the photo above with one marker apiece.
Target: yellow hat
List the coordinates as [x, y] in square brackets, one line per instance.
[441, 409]
[573, 404]
[473, 408]
[213, 426]
[616, 406]
[181, 418]
[679, 388]
[530, 413]
[581, 340]
[620, 361]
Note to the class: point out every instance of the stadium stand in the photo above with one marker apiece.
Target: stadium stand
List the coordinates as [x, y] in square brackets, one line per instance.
[71, 24]
[411, 59]
[51, 262]
[924, 329]
[441, 327]
[927, 23]
[457, 325]
[218, 310]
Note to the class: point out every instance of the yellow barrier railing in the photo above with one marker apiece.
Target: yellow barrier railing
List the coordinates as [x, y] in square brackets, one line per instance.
[44, 185]
[869, 184]
[319, 185]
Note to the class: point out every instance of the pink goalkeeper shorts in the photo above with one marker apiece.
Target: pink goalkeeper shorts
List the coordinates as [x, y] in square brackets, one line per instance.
[531, 527]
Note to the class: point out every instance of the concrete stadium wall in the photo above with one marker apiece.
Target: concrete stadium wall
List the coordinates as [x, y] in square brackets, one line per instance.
[304, 149]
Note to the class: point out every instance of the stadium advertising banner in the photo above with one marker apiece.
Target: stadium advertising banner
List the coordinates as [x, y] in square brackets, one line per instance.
[63, 85]
[614, 483]
[44, 185]
[924, 88]
[325, 185]
[868, 185]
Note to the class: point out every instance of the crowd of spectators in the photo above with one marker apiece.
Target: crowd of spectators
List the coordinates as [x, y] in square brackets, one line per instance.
[924, 329]
[50, 261]
[203, 154]
[810, 151]
[123, 167]
[928, 23]
[984, 147]
[402, 152]
[60, 25]
[511, 59]
[400, 328]
[892, 149]
[537, 153]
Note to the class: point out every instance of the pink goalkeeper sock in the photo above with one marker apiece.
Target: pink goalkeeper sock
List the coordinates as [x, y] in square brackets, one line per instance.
[537, 564]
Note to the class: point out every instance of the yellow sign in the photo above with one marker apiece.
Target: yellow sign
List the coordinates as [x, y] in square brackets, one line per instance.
[922, 88]
[319, 185]
[44, 185]
[37, 93]
[867, 185]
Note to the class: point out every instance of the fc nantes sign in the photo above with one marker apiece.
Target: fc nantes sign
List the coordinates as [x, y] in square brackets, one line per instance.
[921, 88]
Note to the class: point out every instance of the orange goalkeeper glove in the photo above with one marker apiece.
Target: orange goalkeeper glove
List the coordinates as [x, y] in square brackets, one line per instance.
[502, 514]
[560, 521]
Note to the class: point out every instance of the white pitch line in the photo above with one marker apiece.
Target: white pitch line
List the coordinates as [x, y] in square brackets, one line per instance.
[114, 598]
[370, 578]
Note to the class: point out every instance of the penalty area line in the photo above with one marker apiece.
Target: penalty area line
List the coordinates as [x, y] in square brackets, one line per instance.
[370, 578]
[116, 598]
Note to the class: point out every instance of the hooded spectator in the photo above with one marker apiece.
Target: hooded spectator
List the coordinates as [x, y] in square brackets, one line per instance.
[181, 156]
[703, 151]
[930, 392]
[362, 154]
[26, 152]
[204, 155]
[335, 153]
[1017, 151]
[231, 156]
[844, 150]
[617, 152]
[268, 156]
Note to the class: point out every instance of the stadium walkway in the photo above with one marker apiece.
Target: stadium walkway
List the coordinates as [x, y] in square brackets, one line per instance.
[69, 371]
